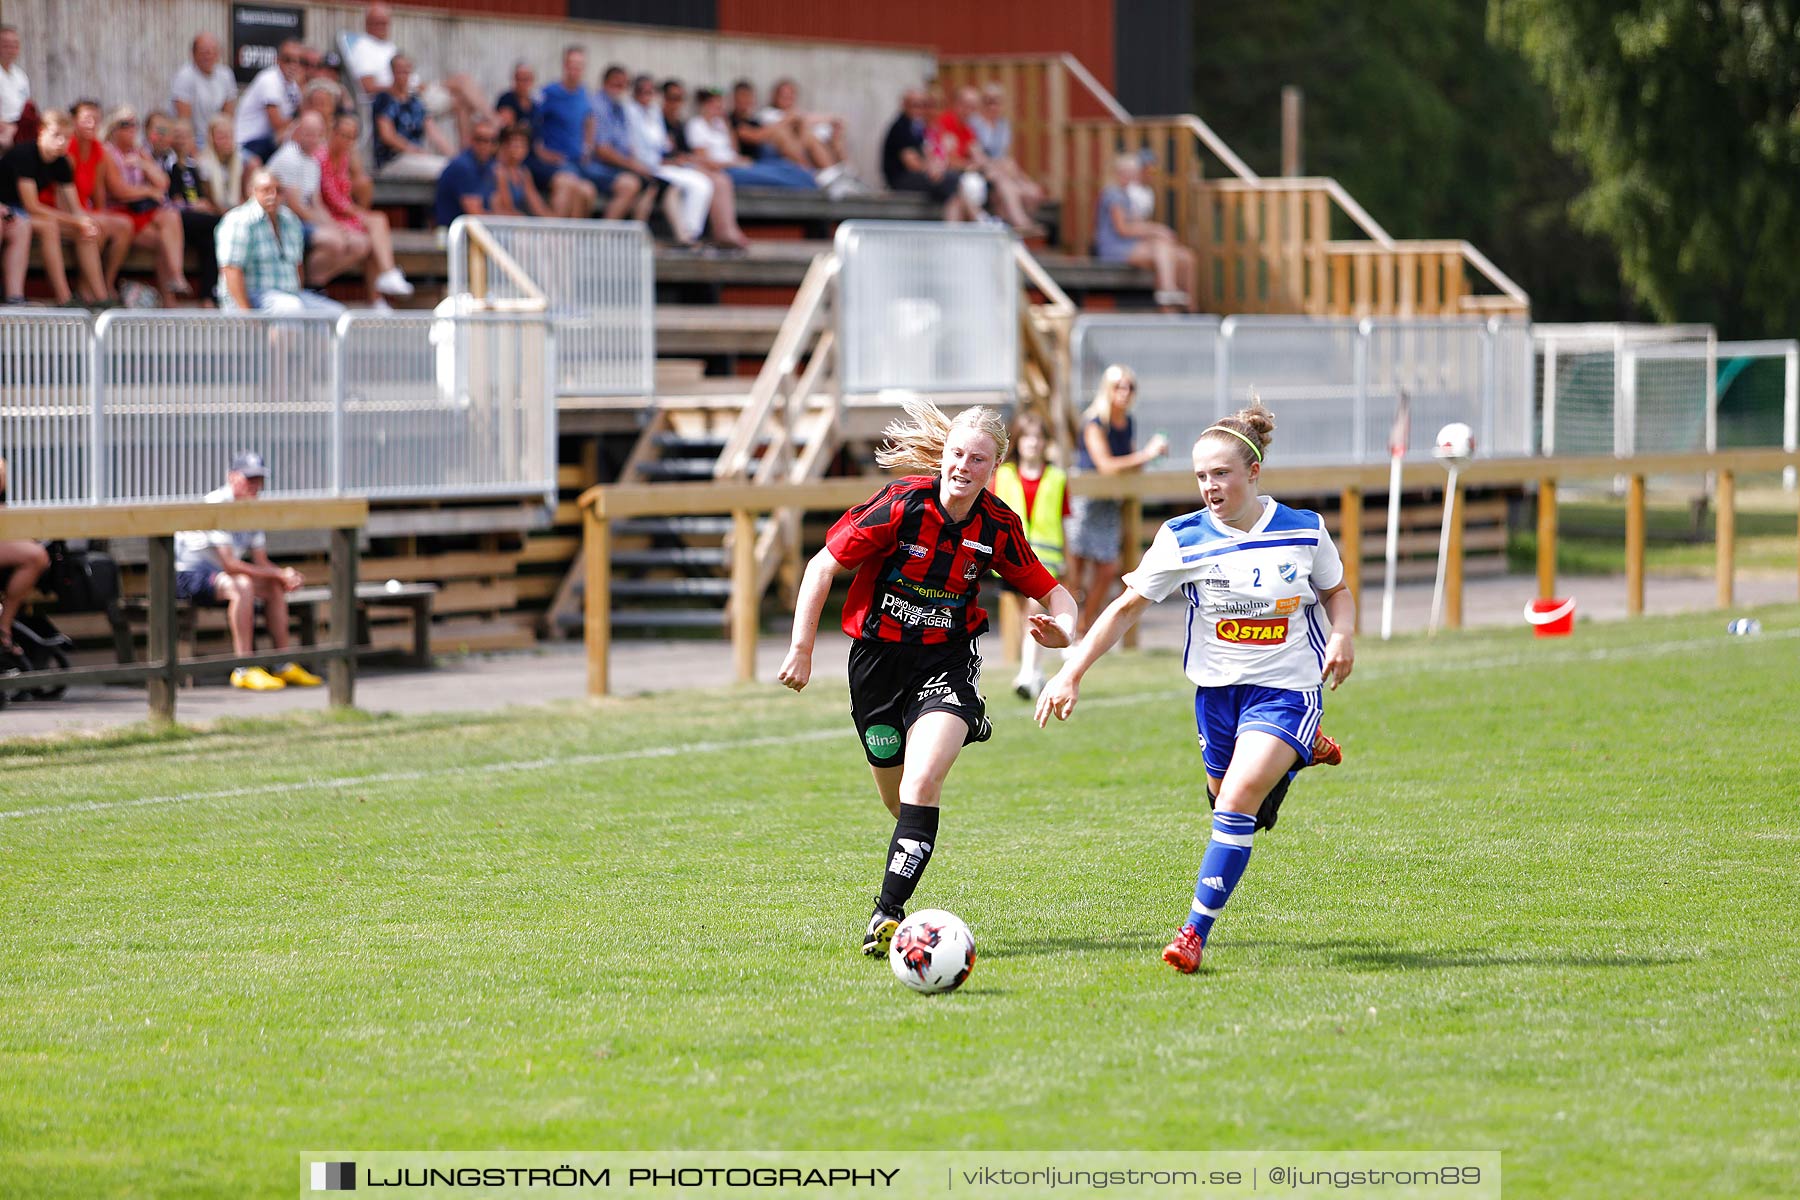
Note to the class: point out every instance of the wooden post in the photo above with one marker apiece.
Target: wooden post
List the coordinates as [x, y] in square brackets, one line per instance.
[1350, 509]
[1453, 566]
[1293, 108]
[164, 647]
[1634, 547]
[341, 671]
[1726, 500]
[1546, 539]
[596, 549]
[746, 605]
[1131, 521]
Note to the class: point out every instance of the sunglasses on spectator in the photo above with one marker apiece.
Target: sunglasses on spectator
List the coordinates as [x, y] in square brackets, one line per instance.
[482, 139]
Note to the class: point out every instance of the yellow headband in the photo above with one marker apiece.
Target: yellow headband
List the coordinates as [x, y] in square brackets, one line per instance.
[1234, 433]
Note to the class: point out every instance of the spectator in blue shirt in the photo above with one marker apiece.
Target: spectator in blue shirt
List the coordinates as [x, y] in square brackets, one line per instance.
[407, 143]
[467, 184]
[633, 182]
[566, 120]
[565, 189]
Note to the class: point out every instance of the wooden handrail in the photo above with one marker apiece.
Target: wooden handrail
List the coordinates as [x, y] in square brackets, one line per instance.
[534, 301]
[782, 361]
[603, 504]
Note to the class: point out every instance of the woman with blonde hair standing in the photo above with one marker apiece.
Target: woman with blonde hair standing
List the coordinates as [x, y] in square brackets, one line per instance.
[920, 548]
[1106, 445]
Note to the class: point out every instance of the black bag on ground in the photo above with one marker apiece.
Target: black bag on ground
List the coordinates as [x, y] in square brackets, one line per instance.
[81, 580]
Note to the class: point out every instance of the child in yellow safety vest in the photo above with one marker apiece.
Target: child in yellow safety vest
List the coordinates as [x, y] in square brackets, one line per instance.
[1035, 488]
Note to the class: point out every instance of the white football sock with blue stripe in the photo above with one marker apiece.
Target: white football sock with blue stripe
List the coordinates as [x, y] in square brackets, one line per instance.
[1226, 857]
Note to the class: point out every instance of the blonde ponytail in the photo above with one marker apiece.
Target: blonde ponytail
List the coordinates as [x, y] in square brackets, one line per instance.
[915, 442]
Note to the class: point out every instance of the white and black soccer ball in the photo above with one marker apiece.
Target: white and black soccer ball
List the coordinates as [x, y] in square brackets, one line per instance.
[932, 951]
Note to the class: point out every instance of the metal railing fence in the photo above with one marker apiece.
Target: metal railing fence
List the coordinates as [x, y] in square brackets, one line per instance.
[140, 407]
[927, 307]
[598, 281]
[1332, 384]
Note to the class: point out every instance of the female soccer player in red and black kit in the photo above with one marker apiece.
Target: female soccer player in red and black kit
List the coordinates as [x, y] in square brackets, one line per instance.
[920, 548]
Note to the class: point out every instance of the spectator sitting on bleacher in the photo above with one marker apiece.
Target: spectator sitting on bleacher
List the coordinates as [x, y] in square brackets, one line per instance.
[820, 138]
[515, 193]
[88, 157]
[326, 97]
[726, 233]
[909, 164]
[15, 87]
[612, 152]
[137, 189]
[954, 138]
[339, 175]
[191, 191]
[27, 560]
[407, 142]
[223, 163]
[260, 245]
[566, 191]
[332, 246]
[774, 144]
[30, 172]
[1124, 232]
[269, 103]
[688, 194]
[566, 119]
[214, 567]
[203, 87]
[371, 65]
[15, 238]
[709, 136]
[467, 184]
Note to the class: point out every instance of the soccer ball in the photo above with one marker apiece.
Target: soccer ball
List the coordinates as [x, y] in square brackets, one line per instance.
[932, 951]
[1455, 442]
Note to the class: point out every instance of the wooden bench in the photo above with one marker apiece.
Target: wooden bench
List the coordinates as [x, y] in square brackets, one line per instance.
[303, 606]
[159, 523]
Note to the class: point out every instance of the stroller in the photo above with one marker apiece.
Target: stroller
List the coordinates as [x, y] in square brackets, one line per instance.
[82, 581]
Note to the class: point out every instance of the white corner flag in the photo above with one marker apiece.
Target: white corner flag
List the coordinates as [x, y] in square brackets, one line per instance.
[1399, 435]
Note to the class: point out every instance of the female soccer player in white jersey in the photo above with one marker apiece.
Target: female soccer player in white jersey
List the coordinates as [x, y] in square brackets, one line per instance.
[1258, 576]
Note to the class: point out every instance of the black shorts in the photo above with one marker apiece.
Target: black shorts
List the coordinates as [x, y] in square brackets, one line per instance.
[893, 685]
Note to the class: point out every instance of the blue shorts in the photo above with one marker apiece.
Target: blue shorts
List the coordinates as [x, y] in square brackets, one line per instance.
[1222, 713]
[196, 586]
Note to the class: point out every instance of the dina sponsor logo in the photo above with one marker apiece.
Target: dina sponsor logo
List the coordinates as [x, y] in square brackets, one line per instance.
[1268, 632]
[883, 741]
[914, 550]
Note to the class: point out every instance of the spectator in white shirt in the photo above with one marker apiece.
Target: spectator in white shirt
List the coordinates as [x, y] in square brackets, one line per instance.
[268, 105]
[371, 64]
[15, 88]
[203, 86]
[331, 247]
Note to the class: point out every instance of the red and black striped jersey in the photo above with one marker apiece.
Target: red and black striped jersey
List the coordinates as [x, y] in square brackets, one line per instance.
[918, 572]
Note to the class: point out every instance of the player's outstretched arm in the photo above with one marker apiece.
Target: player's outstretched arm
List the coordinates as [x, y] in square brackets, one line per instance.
[1340, 647]
[1058, 628]
[815, 587]
[1060, 694]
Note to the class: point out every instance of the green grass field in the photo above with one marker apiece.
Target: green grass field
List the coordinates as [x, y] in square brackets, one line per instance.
[1547, 906]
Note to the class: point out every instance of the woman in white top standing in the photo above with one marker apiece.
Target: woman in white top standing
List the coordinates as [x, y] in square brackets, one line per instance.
[1269, 620]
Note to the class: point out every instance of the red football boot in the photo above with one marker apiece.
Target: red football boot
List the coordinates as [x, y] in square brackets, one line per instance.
[1184, 952]
[1326, 752]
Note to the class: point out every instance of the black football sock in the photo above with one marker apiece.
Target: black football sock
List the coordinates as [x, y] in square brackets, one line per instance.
[908, 853]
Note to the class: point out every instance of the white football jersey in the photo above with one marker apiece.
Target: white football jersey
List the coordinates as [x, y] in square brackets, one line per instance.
[1255, 617]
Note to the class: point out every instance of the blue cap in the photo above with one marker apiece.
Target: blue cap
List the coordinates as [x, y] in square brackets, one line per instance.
[249, 464]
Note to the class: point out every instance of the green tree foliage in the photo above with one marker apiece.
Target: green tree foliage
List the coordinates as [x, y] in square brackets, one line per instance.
[1435, 130]
[1686, 113]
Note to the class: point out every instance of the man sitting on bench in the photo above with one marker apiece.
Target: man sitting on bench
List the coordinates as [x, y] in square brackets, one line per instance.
[215, 567]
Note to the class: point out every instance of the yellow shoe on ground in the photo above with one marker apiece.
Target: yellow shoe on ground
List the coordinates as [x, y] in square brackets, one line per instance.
[255, 679]
[297, 675]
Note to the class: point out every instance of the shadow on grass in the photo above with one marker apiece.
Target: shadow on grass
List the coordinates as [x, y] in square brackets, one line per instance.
[1034, 947]
[1371, 956]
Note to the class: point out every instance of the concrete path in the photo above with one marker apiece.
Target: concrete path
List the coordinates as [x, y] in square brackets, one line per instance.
[558, 671]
